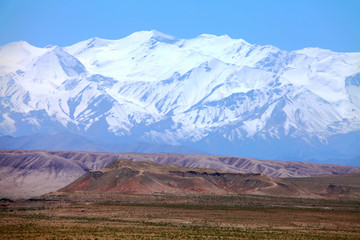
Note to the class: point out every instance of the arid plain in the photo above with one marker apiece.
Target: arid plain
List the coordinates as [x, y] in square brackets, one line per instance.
[126, 199]
[137, 216]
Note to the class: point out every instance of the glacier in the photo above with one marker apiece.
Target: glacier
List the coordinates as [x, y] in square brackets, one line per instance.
[217, 94]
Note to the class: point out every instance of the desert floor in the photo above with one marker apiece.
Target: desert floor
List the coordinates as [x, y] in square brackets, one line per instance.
[177, 217]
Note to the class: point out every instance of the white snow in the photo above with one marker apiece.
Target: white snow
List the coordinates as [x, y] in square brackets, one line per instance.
[199, 84]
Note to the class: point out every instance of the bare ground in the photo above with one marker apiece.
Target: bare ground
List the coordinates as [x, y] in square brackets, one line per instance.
[177, 217]
[28, 173]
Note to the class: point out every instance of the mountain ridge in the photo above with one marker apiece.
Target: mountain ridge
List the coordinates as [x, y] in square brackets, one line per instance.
[27, 173]
[202, 92]
[125, 176]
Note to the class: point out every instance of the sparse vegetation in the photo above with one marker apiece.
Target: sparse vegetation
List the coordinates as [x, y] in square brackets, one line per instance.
[199, 217]
[175, 203]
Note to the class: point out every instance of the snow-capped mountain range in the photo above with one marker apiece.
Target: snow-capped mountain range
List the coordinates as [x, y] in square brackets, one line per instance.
[220, 95]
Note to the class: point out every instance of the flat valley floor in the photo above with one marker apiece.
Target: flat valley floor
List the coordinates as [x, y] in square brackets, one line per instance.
[121, 216]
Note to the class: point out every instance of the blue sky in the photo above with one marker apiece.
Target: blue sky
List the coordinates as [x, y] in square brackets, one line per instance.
[287, 24]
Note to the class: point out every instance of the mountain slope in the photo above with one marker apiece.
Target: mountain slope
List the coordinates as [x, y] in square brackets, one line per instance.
[217, 94]
[125, 176]
[25, 173]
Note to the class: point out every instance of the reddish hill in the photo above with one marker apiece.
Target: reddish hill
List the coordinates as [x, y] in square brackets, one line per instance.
[126, 176]
[27, 173]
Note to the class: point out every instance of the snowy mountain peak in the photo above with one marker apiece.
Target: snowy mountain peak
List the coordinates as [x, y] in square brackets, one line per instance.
[80, 47]
[18, 45]
[144, 36]
[212, 36]
[16, 55]
[222, 95]
[161, 37]
[97, 42]
[55, 65]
